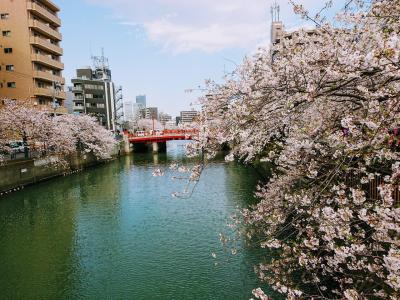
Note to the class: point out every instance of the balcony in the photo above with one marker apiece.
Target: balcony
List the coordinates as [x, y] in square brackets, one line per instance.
[61, 110]
[46, 45]
[45, 30]
[51, 5]
[44, 92]
[80, 108]
[43, 13]
[47, 61]
[77, 89]
[47, 76]
[49, 108]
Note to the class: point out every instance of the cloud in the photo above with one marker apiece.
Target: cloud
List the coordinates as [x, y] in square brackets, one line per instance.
[207, 38]
[206, 25]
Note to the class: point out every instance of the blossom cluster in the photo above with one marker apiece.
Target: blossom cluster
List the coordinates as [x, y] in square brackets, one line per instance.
[53, 135]
[321, 107]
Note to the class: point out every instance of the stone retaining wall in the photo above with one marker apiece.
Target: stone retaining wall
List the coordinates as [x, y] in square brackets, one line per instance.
[17, 174]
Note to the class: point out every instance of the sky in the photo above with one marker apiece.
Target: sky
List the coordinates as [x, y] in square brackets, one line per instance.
[163, 47]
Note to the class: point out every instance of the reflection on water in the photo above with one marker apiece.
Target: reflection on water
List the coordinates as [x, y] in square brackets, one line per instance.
[115, 232]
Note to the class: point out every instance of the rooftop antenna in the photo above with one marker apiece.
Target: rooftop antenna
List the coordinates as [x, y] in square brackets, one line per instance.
[101, 63]
[275, 12]
[103, 58]
[272, 13]
[90, 49]
[279, 12]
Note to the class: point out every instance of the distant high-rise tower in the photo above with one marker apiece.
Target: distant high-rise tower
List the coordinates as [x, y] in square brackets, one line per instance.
[277, 29]
[141, 99]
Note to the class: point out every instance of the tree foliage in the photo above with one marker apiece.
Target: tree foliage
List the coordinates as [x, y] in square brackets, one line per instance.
[323, 107]
[53, 135]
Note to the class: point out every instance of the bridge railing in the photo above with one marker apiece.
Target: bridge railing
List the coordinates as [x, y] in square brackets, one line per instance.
[163, 133]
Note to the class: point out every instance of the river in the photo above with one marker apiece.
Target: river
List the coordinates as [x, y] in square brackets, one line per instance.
[115, 232]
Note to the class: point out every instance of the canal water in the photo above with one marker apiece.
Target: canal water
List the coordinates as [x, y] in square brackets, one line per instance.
[115, 232]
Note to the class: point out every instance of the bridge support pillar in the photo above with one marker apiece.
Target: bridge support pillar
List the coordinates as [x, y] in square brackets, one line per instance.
[155, 147]
[128, 147]
[159, 147]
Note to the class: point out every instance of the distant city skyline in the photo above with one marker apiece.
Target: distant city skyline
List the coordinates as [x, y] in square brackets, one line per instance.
[163, 49]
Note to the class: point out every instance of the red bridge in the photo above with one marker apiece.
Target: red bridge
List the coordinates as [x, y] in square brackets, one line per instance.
[162, 136]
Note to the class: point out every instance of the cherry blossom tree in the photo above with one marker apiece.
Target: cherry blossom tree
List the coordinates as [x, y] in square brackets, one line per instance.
[323, 108]
[148, 124]
[21, 121]
[87, 134]
[50, 135]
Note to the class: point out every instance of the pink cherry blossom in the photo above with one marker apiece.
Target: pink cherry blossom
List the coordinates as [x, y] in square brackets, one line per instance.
[322, 108]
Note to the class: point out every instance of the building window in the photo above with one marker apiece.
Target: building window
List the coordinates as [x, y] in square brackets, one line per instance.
[6, 33]
[4, 16]
[41, 85]
[7, 50]
[100, 105]
[89, 96]
[94, 87]
[11, 85]
[10, 68]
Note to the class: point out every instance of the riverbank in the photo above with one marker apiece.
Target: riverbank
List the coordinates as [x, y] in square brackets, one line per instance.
[15, 175]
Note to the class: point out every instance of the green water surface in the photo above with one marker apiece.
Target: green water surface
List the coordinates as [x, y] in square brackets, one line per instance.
[115, 232]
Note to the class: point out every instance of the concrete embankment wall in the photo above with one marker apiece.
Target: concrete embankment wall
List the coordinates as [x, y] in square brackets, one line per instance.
[16, 174]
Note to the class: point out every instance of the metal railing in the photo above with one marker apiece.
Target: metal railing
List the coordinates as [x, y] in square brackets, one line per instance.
[44, 29]
[46, 44]
[47, 60]
[44, 13]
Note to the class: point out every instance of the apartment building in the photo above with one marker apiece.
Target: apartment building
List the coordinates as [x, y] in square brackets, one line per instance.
[164, 118]
[133, 111]
[277, 32]
[151, 113]
[189, 116]
[30, 53]
[95, 94]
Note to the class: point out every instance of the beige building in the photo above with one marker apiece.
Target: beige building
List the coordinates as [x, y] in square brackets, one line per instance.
[30, 53]
[189, 116]
[277, 32]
